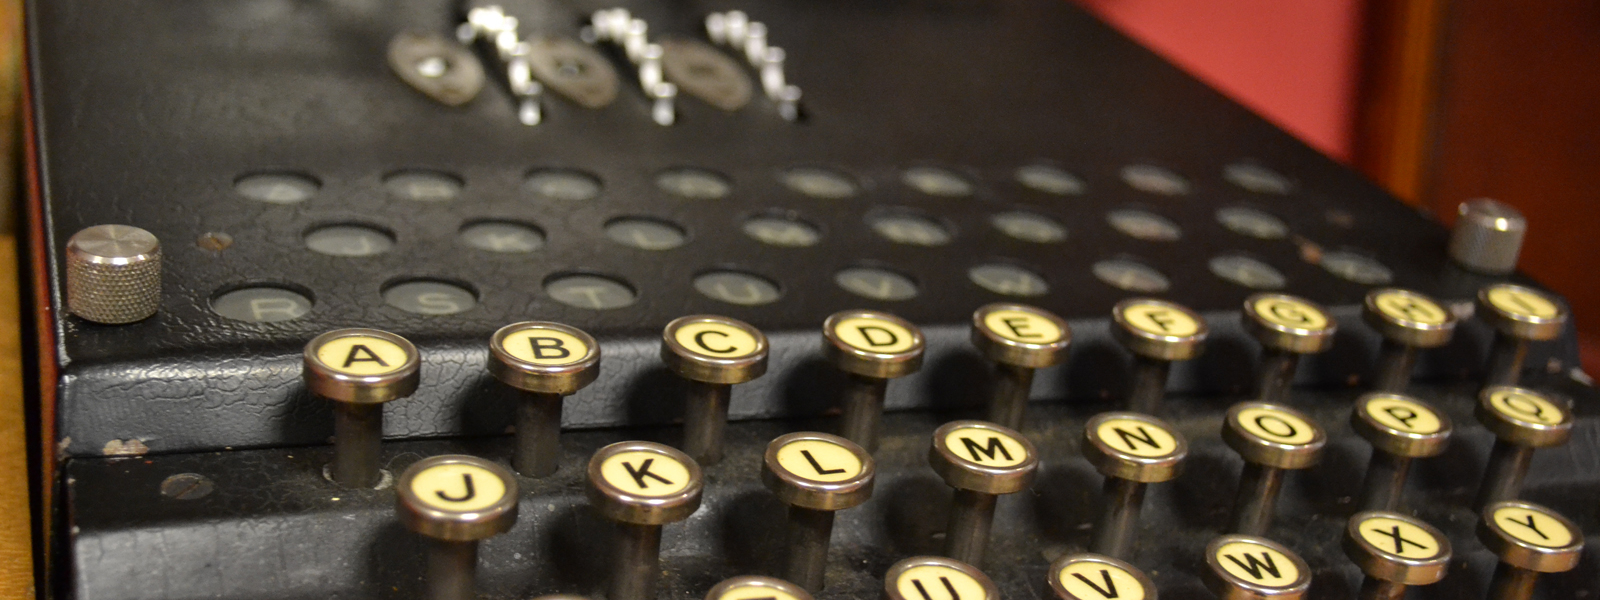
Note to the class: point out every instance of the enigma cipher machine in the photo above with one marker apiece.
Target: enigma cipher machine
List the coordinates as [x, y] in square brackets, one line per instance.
[756, 300]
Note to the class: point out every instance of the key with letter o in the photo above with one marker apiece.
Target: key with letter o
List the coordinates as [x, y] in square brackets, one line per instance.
[1401, 429]
[1522, 420]
[359, 370]
[1408, 321]
[816, 474]
[981, 461]
[1132, 450]
[455, 501]
[1395, 551]
[1243, 567]
[1095, 577]
[1529, 539]
[641, 486]
[1272, 440]
[545, 362]
[712, 354]
[1157, 332]
[1018, 339]
[872, 347]
[1520, 315]
[1287, 327]
[937, 578]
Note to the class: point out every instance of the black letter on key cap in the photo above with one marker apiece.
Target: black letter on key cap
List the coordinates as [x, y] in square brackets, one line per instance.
[642, 472]
[1017, 325]
[1402, 414]
[1530, 524]
[994, 448]
[1256, 566]
[1399, 540]
[947, 585]
[554, 346]
[466, 479]
[700, 339]
[818, 466]
[868, 330]
[1143, 436]
[1110, 591]
[361, 353]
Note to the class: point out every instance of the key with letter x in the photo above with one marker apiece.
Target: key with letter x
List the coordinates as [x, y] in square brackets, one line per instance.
[1395, 551]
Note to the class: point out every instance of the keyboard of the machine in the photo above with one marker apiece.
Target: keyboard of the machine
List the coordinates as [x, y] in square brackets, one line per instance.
[1130, 240]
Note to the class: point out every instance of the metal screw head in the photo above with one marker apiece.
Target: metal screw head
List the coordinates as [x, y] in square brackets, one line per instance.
[544, 357]
[215, 241]
[1401, 425]
[1530, 536]
[187, 486]
[1158, 329]
[714, 349]
[457, 498]
[1398, 548]
[1020, 335]
[644, 483]
[1522, 312]
[818, 471]
[872, 343]
[983, 457]
[113, 274]
[1273, 436]
[1289, 323]
[1524, 417]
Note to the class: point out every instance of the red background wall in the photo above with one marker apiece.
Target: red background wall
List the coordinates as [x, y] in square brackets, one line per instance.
[1296, 63]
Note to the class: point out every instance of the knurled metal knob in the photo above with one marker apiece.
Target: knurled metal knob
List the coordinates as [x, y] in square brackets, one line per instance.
[1487, 236]
[113, 274]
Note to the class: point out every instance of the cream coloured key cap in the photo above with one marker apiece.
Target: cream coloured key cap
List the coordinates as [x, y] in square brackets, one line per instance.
[1272, 440]
[1243, 567]
[1018, 339]
[1395, 551]
[1529, 539]
[1522, 421]
[937, 578]
[1131, 450]
[1287, 327]
[1157, 332]
[1401, 429]
[359, 370]
[1408, 321]
[545, 362]
[641, 486]
[816, 474]
[455, 501]
[872, 347]
[1095, 577]
[712, 354]
[1520, 316]
[981, 461]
